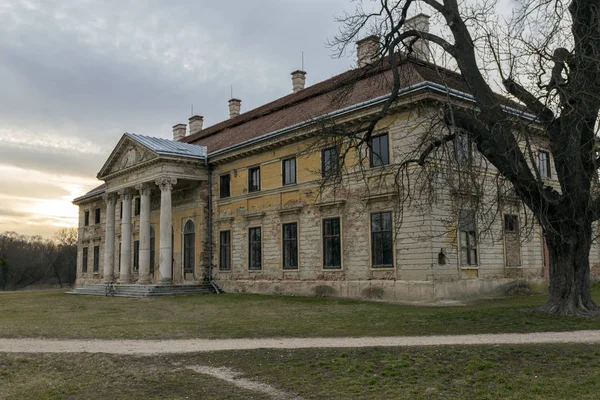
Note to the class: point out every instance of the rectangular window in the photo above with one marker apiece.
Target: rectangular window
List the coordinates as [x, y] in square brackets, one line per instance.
[382, 248]
[462, 147]
[225, 186]
[225, 250]
[380, 152]
[84, 263]
[97, 217]
[254, 179]
[511, 223]
[332, 244]
[96, 259]
[289, 171]
[86, 218]
[138, 206]
[290, 246]
[121, 211]
[330, 162]
[512, 242]
[254, 249]
[136, 255]
[467, 237]
[544, 158]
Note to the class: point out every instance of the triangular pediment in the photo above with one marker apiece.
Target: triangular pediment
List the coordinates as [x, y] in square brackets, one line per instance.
[127, 154]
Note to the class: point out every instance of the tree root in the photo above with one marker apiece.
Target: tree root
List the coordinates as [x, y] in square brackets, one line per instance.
[589, 308]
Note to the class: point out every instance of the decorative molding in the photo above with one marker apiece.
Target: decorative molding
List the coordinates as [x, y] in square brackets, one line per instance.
[332, 203]
[254, 215]
[227, 218]
[290, 210]
[370, 198]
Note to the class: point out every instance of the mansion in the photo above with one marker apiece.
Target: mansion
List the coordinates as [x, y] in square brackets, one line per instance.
[247, 204]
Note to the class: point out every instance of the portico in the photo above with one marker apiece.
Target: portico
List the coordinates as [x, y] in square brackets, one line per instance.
[141, 176]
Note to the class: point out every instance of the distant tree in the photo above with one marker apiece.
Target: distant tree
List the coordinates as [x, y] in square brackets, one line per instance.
[32, 260]
[546, 56]
[65, 265]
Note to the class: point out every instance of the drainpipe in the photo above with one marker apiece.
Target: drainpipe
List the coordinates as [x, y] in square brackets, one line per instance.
[210, 227]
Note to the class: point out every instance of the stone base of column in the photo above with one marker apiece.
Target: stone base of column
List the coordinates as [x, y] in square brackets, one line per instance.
[125, 279]
[108, 279]
[166, 281]
[144, 281]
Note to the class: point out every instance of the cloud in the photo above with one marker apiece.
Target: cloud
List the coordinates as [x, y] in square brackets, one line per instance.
[76, 74]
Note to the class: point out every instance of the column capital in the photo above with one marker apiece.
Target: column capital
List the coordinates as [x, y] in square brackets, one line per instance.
[166, 183]
[144, 188]
[126, 194]
[109, 198]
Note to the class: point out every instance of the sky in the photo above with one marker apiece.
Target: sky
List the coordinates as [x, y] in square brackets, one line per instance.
[76, 74]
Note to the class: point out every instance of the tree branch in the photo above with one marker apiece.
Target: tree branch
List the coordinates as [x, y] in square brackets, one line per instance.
[432, 146]
[543, 113]
[430, 37]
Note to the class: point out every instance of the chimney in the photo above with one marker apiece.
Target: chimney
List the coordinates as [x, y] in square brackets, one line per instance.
[298, 81]
[179, 132]
[196, 124]
[419, 22]
[366, 50]
[235, 106]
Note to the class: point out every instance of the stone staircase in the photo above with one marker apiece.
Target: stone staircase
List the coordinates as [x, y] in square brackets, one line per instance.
[134, 290]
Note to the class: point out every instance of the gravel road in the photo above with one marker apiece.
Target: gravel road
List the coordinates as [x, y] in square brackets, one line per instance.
[149, 347]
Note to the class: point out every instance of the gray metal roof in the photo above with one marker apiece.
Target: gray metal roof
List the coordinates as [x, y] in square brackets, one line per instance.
[169, 147]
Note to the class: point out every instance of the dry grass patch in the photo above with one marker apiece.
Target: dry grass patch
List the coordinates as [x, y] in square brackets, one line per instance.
[53, 314]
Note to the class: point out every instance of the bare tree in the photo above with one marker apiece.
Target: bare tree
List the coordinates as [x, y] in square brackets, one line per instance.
[32, 260]
[545, 55]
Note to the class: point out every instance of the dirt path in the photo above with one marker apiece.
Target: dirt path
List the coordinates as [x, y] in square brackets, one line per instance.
[148, 347]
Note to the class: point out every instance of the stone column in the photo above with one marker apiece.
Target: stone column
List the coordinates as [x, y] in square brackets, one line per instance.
[166, 225]
[145, 191]
[109, 237]
[125, 275]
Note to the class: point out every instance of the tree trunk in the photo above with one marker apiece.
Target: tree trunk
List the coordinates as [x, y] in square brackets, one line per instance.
[569, 249]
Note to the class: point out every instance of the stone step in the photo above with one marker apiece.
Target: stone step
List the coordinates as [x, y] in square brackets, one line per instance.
[129, 290]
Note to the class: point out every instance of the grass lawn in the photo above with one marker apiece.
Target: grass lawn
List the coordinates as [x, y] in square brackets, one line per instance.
[53, 314]
[478, 372]
[87, 376]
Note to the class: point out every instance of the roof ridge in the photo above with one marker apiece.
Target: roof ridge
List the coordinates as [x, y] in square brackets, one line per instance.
[325, 86]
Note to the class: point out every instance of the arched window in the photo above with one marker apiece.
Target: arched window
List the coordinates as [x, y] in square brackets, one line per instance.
[189, 249]
[152, 249]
